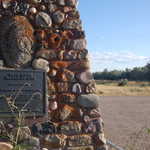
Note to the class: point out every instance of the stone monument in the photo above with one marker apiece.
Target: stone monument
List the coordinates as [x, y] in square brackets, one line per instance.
[43, 53]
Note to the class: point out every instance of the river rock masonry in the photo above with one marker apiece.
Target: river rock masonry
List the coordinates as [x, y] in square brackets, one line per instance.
[47, 35]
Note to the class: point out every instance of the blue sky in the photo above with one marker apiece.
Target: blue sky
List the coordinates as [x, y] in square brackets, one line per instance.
[118, 32]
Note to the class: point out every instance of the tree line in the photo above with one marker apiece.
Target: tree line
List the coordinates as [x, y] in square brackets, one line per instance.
[135, 74]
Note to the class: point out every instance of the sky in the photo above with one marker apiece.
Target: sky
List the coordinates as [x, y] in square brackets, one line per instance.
[117, 32]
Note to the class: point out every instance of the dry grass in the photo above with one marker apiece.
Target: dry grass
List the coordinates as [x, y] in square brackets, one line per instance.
[111, 88]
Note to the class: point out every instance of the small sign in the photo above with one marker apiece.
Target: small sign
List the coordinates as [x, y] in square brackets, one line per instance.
[23, 91]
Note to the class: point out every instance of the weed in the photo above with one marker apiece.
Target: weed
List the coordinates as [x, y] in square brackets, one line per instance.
[123, 82]
[19, 117]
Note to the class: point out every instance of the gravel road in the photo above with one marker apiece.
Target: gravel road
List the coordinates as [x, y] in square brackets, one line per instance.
[124, 115]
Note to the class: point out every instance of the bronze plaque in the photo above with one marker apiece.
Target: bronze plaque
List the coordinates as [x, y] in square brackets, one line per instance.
[22, 91]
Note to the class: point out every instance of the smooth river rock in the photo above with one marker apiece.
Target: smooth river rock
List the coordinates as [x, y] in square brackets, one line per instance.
[79, 140]
[79, 44]
[85, 77]
[54, 141]
[5, 146]
[58, 17]
[43, 20]
[81, 148]
[41, 64]
[73, 24]
[60, 2]
[72, 2]
[88, 101]
[16, 41]
[71, 128]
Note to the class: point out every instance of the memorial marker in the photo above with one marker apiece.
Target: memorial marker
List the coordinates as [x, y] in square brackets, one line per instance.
[26, 89]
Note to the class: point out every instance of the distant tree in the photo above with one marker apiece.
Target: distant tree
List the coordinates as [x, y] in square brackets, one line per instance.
[136, 74]
[148, 71]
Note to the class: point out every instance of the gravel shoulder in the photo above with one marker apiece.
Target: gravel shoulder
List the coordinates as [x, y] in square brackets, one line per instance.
[124, 115]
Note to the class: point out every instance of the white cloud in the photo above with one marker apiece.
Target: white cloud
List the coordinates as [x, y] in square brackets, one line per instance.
[116, 60]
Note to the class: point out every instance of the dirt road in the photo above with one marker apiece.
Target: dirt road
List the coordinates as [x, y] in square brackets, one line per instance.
[124, 116]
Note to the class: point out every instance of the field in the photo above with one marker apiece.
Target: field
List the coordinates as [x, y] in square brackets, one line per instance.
[111, 88]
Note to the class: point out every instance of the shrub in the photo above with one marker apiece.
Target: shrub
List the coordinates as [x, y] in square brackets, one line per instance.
[123, 82]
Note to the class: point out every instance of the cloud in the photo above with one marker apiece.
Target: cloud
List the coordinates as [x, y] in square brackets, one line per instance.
[116, 60]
